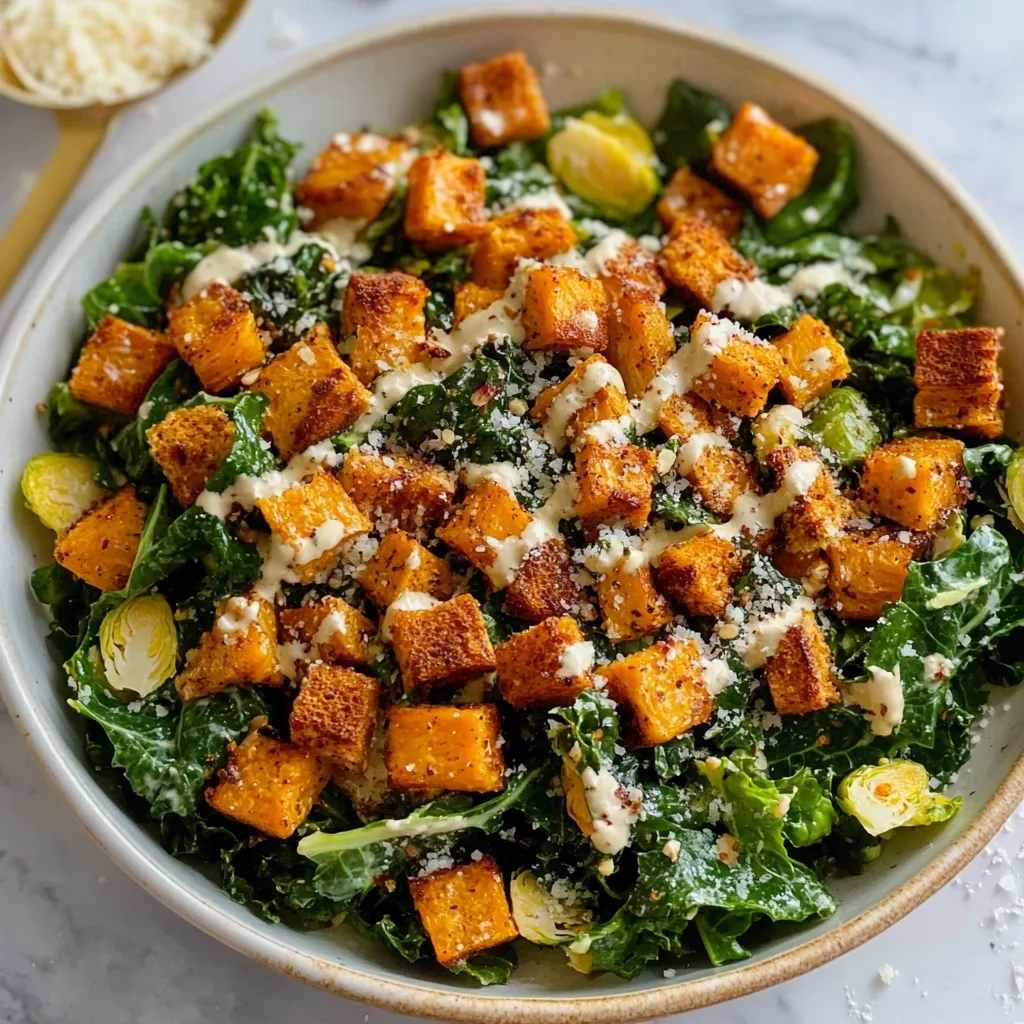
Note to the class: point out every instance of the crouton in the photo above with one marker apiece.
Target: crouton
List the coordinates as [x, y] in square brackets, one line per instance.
[640, 336]
[765, 161]
[353, 178]
[189, 445]
[689, 195]
[544, 584]
[215, 332]
[118, 364]
[631, 606]
[464, 910]
[615, 482]
[314, 519]
[240, 649]
[631, 265]
[328, 630]
[519, 234]
[335, 714]
[442, 646]
[660, 691]
[437, 746]
[973, 411]
[503, 100]
[719, 475]
[868, 570]
[470, 298]
[444, 206]
[101, 546]
[564, 310]
[397, 489]
[545, 666]
[268, 785]
[799, 673]
[812, 519]
[590, 394]
[698, 574]
[697, 258]
[402, 563]
[916, 481]
[487, 516]
[814, 361]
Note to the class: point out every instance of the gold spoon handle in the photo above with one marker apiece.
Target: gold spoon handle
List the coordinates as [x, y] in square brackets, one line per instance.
[81, 132]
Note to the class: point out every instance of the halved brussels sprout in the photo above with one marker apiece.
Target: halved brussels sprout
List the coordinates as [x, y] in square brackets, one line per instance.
[948, 538]
[139, 645]
[606, 160]
[1015, 488]
[541, 917]
[779, 426]
[843, 421]
[893, 794]
[60, 488]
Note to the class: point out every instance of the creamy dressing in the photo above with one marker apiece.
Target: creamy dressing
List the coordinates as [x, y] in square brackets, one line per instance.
[608, 431]
[504, 474]
[577, 660]
[545, 199]
[808, 282]
[717, 675]
[750, 300]
[333, 624]
[760, 638]
[613, 809]
[407, 601]
[239, 614]
[690, 451]
[906, 468]
[598, 374]
[753, 513]
[881, 696]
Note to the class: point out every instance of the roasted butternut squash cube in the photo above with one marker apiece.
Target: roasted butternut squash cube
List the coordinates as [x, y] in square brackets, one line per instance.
[546, 666]
[313, 394]
[445, 746]
[683, 416]
[314, 519]
[564, 310]
[477, 526]
[697, 258]
[241, 649]
[689, 195]
[661, 691]
[327, 630]
[189, 445]
[868, 570]
[720, 475]
[536, 234]
[335, 714]
[101, 546]
[615, 482]
[353, 178]
[503, 100]
[396, 489]
[814, 361]
[118, 364]
[590, 394]
[768, 163]
[402, 563]
[915, 481]
[631, 606]
[470, 298]
[640, 336]
[812, 519]
[268, 785]
[215, 332]
[442, 646]
[698, 573]
[464, 910]
[631, 265]
[799, 673]
[544, 584]
[444, 206]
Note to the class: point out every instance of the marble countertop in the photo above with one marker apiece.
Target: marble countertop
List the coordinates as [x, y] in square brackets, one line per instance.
[82, 944]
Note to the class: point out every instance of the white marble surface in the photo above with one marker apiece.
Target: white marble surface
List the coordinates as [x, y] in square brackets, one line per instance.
[81, 944]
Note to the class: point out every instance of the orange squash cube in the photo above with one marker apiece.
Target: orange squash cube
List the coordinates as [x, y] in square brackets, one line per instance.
[631, 606]
[631, 265]
[470, 298]
[799, 673]
[189, 445]
[698, 574]
[503, 100]
[615, 484]
[397, 490]
[564, 310]
[536, 234]
[640, 336]
[590, 394]
[402, 563]
[689, 195]
[328, 630]
[545, 666]
[868, 570]
[814, 361]
[487, 516]
[720, 475]
[544, 584]
[697, 258]
[444, 207]
[683, 416]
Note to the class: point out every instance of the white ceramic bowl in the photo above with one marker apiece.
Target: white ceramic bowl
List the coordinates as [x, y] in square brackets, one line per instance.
[387, 78]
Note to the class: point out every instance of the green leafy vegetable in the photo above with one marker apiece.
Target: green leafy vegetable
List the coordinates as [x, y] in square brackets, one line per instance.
[691, 122]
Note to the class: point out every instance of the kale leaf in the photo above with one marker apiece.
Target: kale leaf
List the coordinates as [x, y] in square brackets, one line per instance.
[689, 125]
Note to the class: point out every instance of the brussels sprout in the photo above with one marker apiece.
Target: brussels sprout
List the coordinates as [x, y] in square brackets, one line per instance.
[541, 917]
[1015, 488]
[139, 645]
[779, 426]
[843, 421]
[948, 538]
[893, 794]
[60, 488]
[607, 161]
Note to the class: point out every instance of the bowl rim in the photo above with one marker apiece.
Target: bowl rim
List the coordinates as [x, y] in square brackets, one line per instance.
[89, 802]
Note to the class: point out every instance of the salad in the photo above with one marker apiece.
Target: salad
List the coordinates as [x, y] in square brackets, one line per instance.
[526, 525]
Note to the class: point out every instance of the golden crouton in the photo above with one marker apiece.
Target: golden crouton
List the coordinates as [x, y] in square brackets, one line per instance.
[799, 673]
[519, 234]
[269, 785]
[335, 714]
[588, 395]
[118, 364]
[640, 336]
[689, 195]
[915, 481]
[540, 668]
[487, 516]
[697, 258]
[353, 178]
[442, 646]
[328, 630]
[814, 361]
[240, 649]
[564, 310]
[444, 207]
[958, 382]
[765, 161]
[812, 519]
[215, 332]
[868, 570]
[101, 546]
[314, 519]
[698, 573]
[660, 691]
[503, 100]
[615, 482]
[631, 606]
[719, 475]
[471, 298]
[464, 910]
[402, 563]
[445, 746]
[189, 445]
[397, 489]
[544, 584]
[307, 376]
